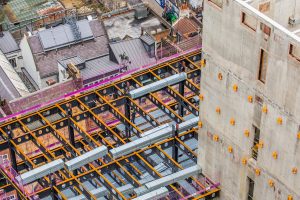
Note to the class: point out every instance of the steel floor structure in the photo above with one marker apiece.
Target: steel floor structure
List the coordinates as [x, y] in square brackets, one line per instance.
[109, 116]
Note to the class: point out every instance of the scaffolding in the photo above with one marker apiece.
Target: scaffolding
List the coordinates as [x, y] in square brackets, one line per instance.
[90, 125]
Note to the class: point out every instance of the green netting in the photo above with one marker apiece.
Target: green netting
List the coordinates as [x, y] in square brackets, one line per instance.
[27, 9]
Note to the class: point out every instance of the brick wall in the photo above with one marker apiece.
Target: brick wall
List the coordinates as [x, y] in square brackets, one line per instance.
[44, 95]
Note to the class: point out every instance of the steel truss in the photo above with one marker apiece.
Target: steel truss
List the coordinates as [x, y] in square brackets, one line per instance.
[108, 116]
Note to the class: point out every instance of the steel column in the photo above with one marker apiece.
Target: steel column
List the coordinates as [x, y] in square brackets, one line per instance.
[11, 150]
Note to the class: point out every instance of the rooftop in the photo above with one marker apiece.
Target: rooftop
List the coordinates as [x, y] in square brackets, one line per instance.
[7, 43]
[186, 26]
[11, 85]
[102, 64]
[46, 62]
[127, 25]
[19, 10]
[134, 49]
[63, 35]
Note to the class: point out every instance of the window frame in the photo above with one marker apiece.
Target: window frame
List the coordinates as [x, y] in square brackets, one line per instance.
[250, 182]
[243, 21]
[291, 48]
[215, 4]
[261, 65]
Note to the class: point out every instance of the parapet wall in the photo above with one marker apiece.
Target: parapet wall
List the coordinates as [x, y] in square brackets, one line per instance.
[44, 95]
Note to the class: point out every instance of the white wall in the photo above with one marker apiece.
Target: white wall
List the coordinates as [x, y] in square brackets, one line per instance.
[29, 63]
[19, 59]
[61, 76]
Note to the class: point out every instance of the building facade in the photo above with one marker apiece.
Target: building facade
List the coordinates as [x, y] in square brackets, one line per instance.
[250, 108]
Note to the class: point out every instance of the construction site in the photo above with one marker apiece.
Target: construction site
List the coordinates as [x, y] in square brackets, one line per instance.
[160, 100]
[132, 139]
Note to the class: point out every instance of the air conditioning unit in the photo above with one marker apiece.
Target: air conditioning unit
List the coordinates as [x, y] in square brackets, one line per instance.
[293, 21]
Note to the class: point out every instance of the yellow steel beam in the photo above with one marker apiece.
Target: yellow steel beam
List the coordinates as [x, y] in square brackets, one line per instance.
[177, 93]
[158, 174]
[119, 113]
[161, 102]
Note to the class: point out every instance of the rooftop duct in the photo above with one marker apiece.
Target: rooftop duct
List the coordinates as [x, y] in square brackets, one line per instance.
[86, 158]
[152, 136]
[99, 192]
[156, 194]
[42, 171]
[139, 92]
[167, 180]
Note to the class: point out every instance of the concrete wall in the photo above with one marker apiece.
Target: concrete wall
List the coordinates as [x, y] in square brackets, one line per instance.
[279, 10]
[29, 63]
[232, 50]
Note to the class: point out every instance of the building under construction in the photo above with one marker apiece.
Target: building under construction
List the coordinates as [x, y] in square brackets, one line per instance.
[135, 138]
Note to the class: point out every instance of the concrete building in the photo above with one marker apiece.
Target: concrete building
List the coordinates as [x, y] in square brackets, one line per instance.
[250, 108]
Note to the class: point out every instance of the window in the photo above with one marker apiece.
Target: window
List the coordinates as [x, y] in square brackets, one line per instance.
[294, 52]
[13, 62]
[250, 188]
[266, 29]
[218, 3]
[263, 63]
[264, 7]
[249, 21]
[255, 142]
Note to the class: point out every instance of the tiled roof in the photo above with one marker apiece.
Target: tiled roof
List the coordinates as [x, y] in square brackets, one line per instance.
[185, 26]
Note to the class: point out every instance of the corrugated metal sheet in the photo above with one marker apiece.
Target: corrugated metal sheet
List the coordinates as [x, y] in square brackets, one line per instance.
[8, 43]
[61, 36]
[135, 51]
[11, 85]
[147, 39]
[74, 60]
[98, 66]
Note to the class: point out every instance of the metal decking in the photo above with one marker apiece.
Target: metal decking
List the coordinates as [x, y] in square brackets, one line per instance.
[84, 130]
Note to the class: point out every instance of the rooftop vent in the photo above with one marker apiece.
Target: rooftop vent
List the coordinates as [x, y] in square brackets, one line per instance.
[141, 12]
[293, 21]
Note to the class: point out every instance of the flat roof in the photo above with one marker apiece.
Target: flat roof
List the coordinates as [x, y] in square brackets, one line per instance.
[134, 49]
[126, 25]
